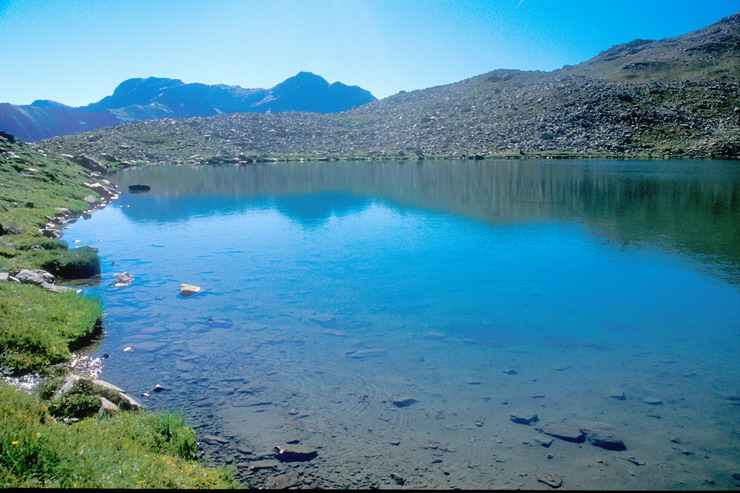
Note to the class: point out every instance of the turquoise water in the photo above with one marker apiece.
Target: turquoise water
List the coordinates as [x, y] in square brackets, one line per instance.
[473, 287]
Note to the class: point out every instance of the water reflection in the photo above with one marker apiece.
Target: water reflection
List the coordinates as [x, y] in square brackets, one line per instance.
[476, 289]
[687, 207]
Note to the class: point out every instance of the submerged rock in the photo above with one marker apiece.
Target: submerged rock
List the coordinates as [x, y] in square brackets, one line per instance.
[550, 479]
[603, 436]
[524, 418]
[295, 453]
[282, 481]
[404, 402]
[139, 188]
[214, 439]
[258, 465]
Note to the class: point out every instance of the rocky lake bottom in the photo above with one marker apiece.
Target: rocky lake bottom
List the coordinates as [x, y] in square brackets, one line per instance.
[380, 343]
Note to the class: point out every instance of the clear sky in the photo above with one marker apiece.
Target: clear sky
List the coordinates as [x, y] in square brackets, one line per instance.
[78, 51]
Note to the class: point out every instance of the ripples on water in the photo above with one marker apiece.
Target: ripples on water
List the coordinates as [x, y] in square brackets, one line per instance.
[477, 289]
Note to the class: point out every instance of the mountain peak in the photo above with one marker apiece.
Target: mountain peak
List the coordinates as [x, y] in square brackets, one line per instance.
[150, 98]
[136, 91]
[48, 103]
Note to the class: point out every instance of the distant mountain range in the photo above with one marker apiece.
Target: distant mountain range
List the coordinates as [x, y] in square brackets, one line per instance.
[154, 98]
[676, 97]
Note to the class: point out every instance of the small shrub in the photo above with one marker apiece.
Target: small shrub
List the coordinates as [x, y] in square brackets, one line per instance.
[74, 405]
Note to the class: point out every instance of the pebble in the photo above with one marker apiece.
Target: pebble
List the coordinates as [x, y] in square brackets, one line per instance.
[282, 481]
[214, 439]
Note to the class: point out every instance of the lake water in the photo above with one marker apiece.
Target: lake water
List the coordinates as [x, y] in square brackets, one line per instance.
[394, 315]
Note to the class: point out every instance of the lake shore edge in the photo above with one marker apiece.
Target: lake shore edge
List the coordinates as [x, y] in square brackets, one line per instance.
[50, 410]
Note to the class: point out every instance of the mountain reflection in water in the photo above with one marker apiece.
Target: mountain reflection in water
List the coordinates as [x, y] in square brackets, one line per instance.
[685, 207]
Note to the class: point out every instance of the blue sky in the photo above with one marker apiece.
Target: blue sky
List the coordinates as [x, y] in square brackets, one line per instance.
[78, 51]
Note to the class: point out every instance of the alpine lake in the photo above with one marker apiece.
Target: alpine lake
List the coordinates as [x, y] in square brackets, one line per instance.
[434, 324]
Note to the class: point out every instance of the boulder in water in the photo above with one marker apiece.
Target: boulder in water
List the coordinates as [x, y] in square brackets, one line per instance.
[189, 290]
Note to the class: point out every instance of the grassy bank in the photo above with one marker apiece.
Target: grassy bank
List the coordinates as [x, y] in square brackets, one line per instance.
[36, 326]
[40, 446]
[128, 450]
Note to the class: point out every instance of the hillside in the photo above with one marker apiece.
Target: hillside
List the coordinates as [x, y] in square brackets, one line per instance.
[685, 106]
[710, 53]
[155, 98]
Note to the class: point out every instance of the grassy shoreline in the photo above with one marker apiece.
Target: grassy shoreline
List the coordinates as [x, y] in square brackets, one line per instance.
[64, 442]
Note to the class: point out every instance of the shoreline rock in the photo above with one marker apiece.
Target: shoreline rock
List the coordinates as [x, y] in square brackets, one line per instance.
[110, 395]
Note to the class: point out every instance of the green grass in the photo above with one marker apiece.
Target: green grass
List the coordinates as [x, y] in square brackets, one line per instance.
[37, 327]
[33, 184]
[128, 450]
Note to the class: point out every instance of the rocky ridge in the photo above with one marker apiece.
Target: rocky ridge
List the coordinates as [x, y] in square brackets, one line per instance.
[694, 113]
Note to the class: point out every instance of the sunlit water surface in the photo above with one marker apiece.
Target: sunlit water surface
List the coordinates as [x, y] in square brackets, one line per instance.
[478, 289]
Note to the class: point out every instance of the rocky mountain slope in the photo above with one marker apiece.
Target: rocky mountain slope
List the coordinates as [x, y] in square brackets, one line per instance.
[154, 98]
[685, 105]
[708, 53]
